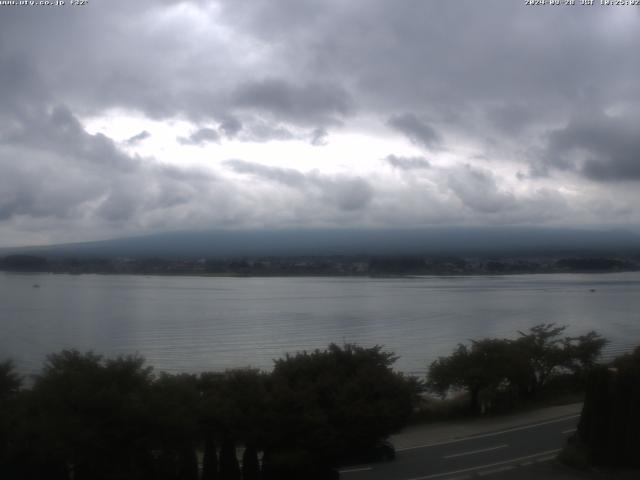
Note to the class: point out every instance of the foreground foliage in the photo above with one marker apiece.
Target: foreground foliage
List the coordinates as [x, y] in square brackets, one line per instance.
[609, 429]
[89, 417]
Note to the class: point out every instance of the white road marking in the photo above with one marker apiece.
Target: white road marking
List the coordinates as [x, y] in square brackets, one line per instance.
[545, 459]
[496, 470]
[488, 449]
[353, 470]
[485, 435]
[571, 430]
[490, 465]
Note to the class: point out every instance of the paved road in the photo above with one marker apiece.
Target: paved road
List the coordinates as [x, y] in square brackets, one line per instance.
[478, 455]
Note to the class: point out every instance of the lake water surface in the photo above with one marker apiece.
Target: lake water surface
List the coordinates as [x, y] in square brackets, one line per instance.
[208, 323]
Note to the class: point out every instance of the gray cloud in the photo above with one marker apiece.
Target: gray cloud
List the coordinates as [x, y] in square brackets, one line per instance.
[63, 172]
[408, 163]
[511, 118]
[322, 103]
[420, 57]
[201, 137]
[285, 176]
[415, 130]
[349, 193]
[600, 147]
[58, 131]
[231, 126]
[346, 192]
[319, 137]
[259, 131]
[138, 138]
[289, 70]
[478, 191]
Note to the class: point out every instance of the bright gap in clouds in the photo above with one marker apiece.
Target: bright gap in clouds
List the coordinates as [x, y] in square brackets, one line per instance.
[353, 152]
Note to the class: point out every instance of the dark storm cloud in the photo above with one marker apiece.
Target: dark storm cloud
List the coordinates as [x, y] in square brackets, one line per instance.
[134, 140]
[415, 130]
[598, 146]
[408, 163]
[201, 137]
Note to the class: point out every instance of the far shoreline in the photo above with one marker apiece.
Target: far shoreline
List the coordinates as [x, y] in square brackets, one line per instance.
[320, 275]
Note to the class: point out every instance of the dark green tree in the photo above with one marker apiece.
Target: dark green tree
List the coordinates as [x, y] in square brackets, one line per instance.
[175, 405]
[10, 381]
[91, 415]
[337, 402]
[583, 352]
[250, 463]
[542, 345]
[609, 427]
[486, 366]
[549, 353]
[234, 404]
[515, 368]
[229, 466]
[234, 409]
[210, 458]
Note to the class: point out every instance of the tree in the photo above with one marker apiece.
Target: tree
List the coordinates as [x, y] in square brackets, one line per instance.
[233, 409]
[175, 407]
[334, 403]
[10, 381]
[210, 458]
[250, 463]
[519, 368]
[24, 263]
[91, 414]
[582, 352]
[229, 467]
[543, 348]
[609, 427]
[234, 404]
[486, 365]
[549, 354]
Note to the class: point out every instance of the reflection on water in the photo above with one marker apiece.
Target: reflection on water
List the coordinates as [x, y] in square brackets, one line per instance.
[208, 323]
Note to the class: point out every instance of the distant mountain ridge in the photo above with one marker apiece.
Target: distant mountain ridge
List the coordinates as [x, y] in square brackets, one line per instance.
[327, 242]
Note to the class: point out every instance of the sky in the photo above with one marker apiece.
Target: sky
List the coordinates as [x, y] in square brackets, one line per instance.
[123, 118]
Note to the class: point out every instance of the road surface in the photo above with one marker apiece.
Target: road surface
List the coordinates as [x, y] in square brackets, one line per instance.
[478, 455]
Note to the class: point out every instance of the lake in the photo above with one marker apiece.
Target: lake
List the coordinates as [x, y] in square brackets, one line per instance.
[191, 324]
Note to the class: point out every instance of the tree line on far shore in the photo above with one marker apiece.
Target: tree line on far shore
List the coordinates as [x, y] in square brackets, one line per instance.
[90, 417]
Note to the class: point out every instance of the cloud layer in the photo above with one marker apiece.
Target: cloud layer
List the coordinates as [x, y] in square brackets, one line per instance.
[489, 114]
